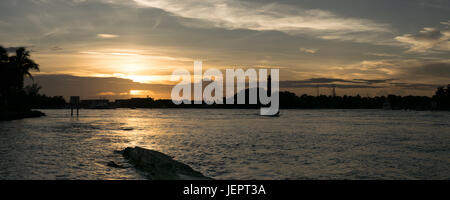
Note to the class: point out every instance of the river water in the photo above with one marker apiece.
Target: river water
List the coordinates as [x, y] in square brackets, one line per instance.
[231, 144]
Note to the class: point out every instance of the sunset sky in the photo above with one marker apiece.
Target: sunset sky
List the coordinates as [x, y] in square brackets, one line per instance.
[120, 49]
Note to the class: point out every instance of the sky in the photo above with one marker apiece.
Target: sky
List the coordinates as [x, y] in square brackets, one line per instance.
[129, 48]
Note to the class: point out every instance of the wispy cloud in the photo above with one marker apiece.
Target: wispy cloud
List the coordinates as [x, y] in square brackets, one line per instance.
[106, 36]
[108, 53]
[112, 94]
[427, 40]
[434, 71]
[135, 52]
[306, 50]
[447, 23]
[381, 54]
[231, 14]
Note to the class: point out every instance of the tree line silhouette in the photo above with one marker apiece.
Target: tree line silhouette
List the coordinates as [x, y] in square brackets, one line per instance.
[289, 100]
[17, 100]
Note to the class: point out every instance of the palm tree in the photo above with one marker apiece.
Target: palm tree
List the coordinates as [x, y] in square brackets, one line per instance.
[13, 70]
[21, 65]
[4, 74]
[33, 89]
[3, 55]
[442, 97]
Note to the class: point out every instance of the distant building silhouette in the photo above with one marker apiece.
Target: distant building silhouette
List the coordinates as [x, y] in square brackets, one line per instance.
[289, 100]
[135, 103]
[95, 103]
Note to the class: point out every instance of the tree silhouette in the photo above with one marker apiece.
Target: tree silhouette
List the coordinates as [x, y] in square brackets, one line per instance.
[4, 73]
[442, 98]
[21, 65]
[3, 56]
[13, 70]
[33, 89]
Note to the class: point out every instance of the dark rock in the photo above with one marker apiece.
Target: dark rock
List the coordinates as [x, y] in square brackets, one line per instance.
[160, 166]
[127, 128]
[115, 165]
[118, 151]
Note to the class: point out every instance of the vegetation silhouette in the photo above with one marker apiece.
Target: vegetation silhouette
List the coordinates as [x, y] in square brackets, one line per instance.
[289, 100]
[441, 99]
[16, 100]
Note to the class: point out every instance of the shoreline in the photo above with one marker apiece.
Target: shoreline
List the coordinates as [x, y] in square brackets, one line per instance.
[221, 108]
[9, 116]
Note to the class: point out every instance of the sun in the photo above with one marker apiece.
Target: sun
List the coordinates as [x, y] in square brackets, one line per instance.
[141, 92]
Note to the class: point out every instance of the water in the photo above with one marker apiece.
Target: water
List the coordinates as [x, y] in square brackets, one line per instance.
[232, 144]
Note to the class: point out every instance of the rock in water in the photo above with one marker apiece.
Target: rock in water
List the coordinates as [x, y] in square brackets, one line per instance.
[115, 165]
[160, 166]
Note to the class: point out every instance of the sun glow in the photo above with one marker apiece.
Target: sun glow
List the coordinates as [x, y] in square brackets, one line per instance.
[143, 78]
[141, 93]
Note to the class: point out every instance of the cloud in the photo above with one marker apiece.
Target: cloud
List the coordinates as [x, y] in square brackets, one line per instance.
[427, 40]
[150, 54]
[2, 23]
[293, 20]
[93, 87]
[120, 88]
[323, 80]
[381, 54]
[434, 69]
[306, 50]
[106, 36]
[446, 23]
[416, 86]
[108, 53]
[334, 82]
[294, 84]
[113, 94]
[439, 4]
[389, 72]
[338, 82]
[357, 84]
[222, 33]
[11, 49]
[373, 81]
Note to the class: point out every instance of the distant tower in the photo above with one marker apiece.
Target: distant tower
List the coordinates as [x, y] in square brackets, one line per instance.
[317, 89]
[334, 90]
